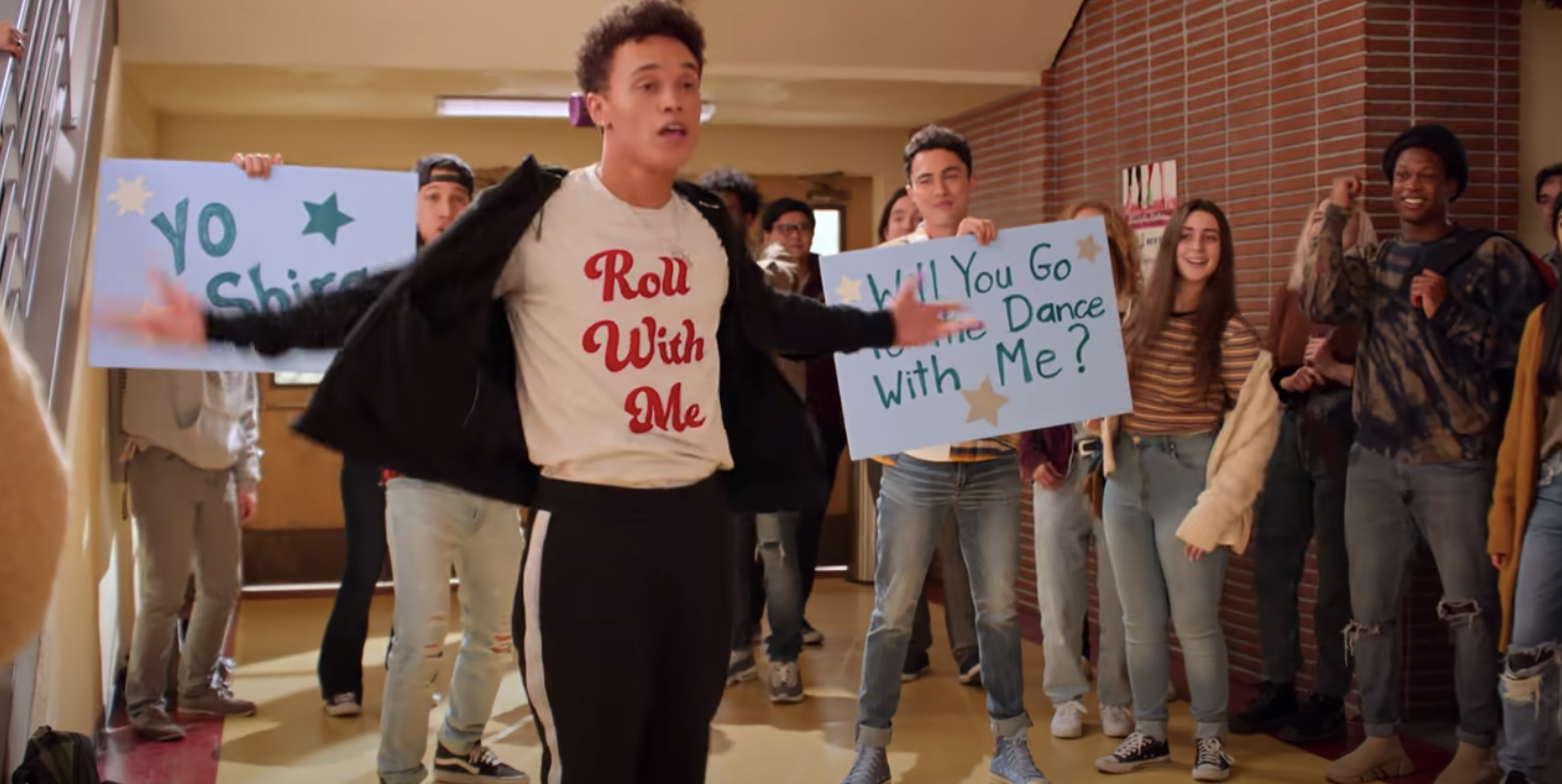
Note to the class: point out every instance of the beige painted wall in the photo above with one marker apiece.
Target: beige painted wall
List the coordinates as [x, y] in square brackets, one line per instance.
[1540, 112]
[395, 144]
[92, 610]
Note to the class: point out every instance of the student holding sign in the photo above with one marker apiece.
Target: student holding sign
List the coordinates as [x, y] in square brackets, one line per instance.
[427, 529]
[979, 481]
[501, 363]
[1178, 496]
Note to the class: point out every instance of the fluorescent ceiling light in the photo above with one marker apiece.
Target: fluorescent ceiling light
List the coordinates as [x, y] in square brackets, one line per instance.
[536, 108]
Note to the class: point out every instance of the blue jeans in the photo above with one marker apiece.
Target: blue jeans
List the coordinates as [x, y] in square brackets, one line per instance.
[914, 498]
[1064, 530]
[1157, 482]
[1530, 684]
[1391, 507]
[431, 529]
[774, 534]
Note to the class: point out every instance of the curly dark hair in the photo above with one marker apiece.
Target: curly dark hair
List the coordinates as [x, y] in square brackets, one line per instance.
[634, 21]
[736, 183]
[937, 137]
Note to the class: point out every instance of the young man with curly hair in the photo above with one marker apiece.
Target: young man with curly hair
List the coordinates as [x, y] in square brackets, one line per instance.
[604, 363]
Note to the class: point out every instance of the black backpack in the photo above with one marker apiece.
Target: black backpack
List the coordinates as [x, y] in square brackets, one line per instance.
[55, 757]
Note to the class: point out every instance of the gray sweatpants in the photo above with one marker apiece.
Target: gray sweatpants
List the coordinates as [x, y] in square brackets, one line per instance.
[186, 517]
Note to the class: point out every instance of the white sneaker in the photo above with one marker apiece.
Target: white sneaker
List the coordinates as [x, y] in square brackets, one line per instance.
[1068, 720]
[1116, 721]
[343, 705]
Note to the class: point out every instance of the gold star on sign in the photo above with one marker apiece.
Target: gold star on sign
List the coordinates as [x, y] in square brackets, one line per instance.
[850, 291]
[1088, 248]
[984, 403]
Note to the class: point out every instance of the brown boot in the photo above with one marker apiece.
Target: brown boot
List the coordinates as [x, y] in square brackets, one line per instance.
[1373, 760]
[1470, 765]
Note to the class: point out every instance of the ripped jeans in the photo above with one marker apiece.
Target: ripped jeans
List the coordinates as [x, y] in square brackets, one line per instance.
[774, 535]
[1530, 684]
[432, 528]
[1389, 508]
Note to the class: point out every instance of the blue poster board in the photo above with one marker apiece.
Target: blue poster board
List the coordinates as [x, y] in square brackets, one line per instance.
[1050, 350]
[238, 245]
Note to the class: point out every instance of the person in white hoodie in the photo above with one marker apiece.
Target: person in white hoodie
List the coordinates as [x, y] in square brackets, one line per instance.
[194, 463]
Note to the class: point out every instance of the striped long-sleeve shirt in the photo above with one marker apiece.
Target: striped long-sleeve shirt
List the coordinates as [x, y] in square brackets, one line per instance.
[1166, 399]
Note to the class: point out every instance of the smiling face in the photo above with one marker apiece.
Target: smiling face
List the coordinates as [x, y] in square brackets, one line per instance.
[1421, 189]
[941, 189]
[1198, 249]
[650, 111]
[793, 231]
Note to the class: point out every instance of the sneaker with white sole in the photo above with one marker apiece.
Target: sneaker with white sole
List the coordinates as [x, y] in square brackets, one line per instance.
[869, 766]
[477, 766]
[1212, 762]
[741, 667]
[1117, 721]
[1068, 720]
[786, 683]
[216, 702]
[343, 705]
[1012, 762]
[1138, 751]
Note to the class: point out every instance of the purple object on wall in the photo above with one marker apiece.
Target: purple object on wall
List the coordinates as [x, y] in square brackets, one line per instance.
[578, 116]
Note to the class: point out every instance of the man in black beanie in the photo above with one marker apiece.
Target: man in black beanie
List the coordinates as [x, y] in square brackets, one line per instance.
[1442, 307]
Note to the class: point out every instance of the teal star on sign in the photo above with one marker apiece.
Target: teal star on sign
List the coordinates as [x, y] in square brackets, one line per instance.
[325, 219]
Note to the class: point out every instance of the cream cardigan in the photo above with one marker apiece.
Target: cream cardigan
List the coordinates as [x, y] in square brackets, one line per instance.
[34, 497]
[1223, 514]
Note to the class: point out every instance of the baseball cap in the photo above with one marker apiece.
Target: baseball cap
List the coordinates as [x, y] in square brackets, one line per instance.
[443, 167]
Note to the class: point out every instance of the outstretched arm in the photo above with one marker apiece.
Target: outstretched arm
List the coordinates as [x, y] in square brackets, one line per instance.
[322, 321]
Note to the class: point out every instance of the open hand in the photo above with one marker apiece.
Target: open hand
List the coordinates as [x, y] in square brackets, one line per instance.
[1427, 292]
[1192, 552]
[257, 164]
[179, 320]
[982, 229]
[920, 323]
[1047, 476]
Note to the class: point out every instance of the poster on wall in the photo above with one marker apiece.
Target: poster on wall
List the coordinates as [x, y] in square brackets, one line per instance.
[1149, 199]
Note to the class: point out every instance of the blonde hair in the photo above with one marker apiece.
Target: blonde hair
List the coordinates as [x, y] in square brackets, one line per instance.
[1366, 237]
[1126, 269]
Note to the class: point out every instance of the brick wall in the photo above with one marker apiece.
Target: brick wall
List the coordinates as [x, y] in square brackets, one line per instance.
[1262, 103]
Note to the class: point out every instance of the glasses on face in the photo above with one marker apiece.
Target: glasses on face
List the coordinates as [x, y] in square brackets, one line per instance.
[792, 228]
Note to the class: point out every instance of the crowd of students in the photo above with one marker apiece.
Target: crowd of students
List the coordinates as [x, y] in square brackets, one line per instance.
[692, 492]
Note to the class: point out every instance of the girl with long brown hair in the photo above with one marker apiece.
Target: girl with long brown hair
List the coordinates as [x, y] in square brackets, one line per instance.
[1183, 470]
[1061, 462]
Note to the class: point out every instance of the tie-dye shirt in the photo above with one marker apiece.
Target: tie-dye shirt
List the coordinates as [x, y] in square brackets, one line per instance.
[1427, 390]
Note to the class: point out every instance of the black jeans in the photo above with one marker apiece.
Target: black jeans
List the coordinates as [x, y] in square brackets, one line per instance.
[606, 564]
[1303, 501]
[363, 511]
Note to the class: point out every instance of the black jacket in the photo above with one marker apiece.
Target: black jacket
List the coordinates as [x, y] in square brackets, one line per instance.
[424, 383]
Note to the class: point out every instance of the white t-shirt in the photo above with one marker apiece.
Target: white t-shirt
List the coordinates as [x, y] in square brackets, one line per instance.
[615, 310]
